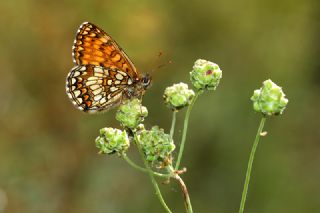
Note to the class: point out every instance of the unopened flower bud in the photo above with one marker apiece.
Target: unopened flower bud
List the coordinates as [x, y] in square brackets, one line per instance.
[205, 75]
[131, 114]
[178, 96]
[156, 145]
[269, 99]
[112, 140]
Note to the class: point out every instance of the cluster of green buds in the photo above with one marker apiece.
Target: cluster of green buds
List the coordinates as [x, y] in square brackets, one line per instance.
[156, 145]
[269, 99]
[131, 114]
[112, 140]
[178, 96]
[205, 75]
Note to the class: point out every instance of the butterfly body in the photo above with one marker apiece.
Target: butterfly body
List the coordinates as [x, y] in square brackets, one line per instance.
[104, 76]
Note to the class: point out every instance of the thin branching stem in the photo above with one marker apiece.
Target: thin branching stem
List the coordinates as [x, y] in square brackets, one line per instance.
[126, 158]
[251, 158]
[186, 197]
[150, 172]
[185, 128]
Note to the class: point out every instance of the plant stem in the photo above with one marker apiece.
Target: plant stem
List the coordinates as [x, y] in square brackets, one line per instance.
[185, 128]
[248, 174]
[143, 169]
[173, 123]
[184, 189]
[150, 172]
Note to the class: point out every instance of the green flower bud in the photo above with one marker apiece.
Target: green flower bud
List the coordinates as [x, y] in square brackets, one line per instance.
[112, 141]
[205, 75]
[131, 114]
[156, 145]
[178, 96]
[140, 128]
[269, 99]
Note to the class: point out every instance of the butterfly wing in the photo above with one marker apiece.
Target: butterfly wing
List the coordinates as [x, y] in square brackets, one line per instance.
[93, 46]
[94, 88]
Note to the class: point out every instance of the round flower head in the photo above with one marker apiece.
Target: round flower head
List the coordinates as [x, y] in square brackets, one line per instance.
[269, 99]
[156, 145]
[205, 75]
[178, 96]
[112, 141]
[131, 114]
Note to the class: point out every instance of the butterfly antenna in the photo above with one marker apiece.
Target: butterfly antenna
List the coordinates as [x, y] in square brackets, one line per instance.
[160, 54]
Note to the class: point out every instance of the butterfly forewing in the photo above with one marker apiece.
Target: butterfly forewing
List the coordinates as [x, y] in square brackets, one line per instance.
[93, 46]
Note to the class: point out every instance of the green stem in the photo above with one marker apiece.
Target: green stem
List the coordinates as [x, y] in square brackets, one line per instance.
[143, 169]
[187, 201]
[248, 174]
[173, 123]
[153, 181]
[185, 128]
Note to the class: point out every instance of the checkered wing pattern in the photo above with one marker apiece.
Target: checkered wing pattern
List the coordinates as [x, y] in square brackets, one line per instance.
[94, 88]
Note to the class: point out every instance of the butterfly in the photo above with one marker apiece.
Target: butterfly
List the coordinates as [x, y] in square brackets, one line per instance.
[103, 76]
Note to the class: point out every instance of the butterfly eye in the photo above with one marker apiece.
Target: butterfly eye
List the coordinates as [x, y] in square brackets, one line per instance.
[146, 80]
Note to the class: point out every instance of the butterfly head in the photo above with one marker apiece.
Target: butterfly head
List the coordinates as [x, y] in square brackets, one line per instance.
[140, 87]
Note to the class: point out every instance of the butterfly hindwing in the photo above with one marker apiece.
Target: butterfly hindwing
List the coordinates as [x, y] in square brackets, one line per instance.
[94, 88]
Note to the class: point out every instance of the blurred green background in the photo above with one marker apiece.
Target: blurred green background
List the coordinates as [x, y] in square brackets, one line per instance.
[49, 162]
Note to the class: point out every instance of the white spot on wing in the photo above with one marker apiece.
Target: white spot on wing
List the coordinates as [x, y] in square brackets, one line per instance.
[88, 83]
[98, 69]
[73, 80]
[97, 91]
[103, 100]
[112, 89]
[119, 76]
[92, 78]
[76, 93]
[97, 98]
[122, 73]
[76, 73]
[94, 87]
[98, 74]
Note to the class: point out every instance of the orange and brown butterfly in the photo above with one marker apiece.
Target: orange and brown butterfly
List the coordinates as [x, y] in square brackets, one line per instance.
[103, 76]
